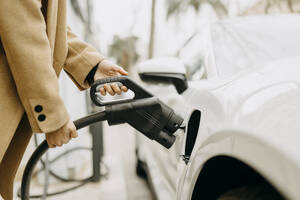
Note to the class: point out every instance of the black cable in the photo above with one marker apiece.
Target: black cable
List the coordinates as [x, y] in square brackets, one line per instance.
[56, 158]
[81, 183]
[52, 173]
[42, 149]
[58, 177]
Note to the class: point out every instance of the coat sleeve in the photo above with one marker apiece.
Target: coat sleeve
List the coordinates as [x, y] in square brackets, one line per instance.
[24, 38]
[81, 59]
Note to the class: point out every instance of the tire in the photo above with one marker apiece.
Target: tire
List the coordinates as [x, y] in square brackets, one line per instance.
[255, 192]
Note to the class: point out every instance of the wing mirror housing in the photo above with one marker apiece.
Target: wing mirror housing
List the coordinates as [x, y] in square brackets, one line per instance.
[164, 70]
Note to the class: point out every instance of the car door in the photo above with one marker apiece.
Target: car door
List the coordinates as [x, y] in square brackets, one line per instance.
[162, 162]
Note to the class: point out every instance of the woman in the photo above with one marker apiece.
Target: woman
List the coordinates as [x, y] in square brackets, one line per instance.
[35, 46]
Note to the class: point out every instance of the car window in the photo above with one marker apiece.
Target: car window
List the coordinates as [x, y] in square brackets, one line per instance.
[252, 41]
[190, 55]
[195, 70]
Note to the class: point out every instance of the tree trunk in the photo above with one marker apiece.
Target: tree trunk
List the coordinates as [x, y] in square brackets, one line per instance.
[152, 30]
[290, 5]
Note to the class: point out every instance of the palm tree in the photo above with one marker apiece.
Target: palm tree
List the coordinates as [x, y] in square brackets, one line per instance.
[278, 3]
[274, 6]
[175, 7]
[124, 50]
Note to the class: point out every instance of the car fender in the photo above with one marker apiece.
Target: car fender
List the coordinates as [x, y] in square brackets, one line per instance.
[259, 127]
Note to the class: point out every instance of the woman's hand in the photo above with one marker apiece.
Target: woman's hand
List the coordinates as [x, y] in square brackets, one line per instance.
[62, 135]
[109, 69]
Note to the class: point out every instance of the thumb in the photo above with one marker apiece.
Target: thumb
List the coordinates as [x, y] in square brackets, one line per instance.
[120, 70]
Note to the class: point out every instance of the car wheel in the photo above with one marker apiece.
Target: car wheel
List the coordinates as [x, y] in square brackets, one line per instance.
[257, 192]
[140, 169]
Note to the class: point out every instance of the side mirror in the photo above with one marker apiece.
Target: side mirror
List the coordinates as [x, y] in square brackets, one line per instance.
[164, 70]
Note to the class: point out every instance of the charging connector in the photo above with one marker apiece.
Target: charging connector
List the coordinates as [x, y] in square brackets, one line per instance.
[144, 112]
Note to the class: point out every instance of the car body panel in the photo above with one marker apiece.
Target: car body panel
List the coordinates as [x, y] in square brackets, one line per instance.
[249, 103]
[162, 162]
[234, 123]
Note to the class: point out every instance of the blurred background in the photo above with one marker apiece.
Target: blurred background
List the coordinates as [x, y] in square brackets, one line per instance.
[128, 32]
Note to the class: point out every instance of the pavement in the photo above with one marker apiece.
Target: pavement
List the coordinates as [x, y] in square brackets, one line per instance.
[121, 183]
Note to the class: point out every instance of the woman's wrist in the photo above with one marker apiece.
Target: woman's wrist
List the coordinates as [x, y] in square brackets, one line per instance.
[91, 75]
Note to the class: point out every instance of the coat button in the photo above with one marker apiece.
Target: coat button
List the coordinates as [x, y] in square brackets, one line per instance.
[41, 117]
[38, 108]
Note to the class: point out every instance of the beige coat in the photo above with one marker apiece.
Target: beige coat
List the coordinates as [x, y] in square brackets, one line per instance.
[35, 46]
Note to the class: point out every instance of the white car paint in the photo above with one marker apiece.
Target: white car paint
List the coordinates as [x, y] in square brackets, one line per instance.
[253, 118]
[162, 162]
[162, 65]
[249, 103]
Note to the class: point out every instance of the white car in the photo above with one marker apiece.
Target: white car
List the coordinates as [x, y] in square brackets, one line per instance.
[242, 137]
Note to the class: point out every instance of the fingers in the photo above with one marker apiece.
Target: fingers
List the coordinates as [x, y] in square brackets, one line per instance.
[116, 88]
[108, 89]
[112, 89]
[61, 136]
[102, 91]
[51, 145]
[49, 141]
[59, 143]
[65, 141]
[109, 69]
[124, 88]
[54, 144]
[74, 134]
